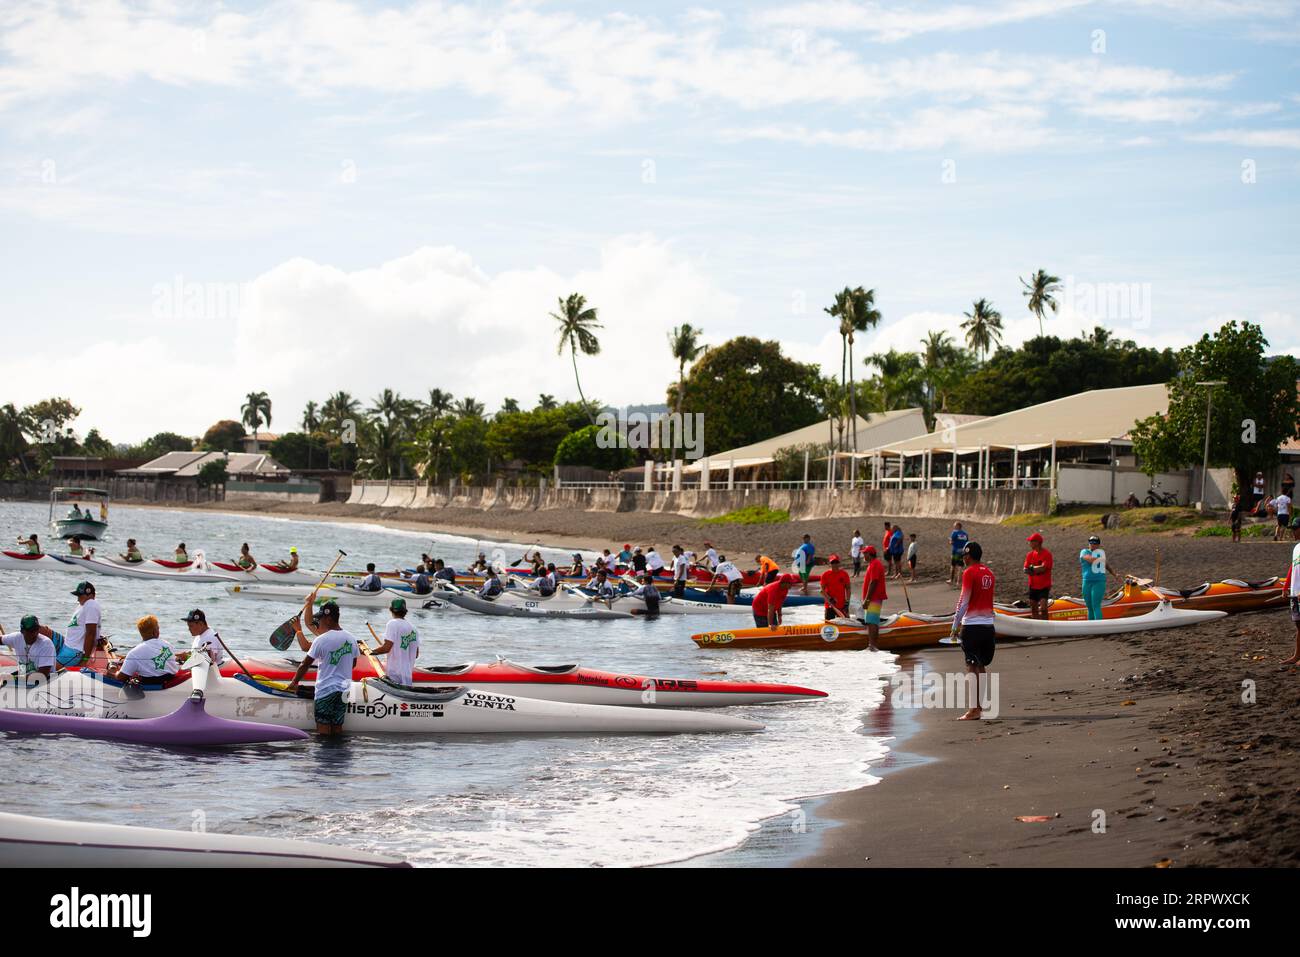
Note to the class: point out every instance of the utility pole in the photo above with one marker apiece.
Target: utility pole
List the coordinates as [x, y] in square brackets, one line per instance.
[1209, 402]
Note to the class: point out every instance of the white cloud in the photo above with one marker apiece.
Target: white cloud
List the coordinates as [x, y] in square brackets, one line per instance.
[1287, 139]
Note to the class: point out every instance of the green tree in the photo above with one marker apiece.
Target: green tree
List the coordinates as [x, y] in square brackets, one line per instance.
[298, 450]
[213, 473]
[440, 403]
[581, 448]
[95, 444]
[467, 447]
[684, 343]
[545, 401]
[391, 419]
[855, 310]
[224, 436]
[532, 437]
[255, 411]
[509, 405]
[1040, 290]
[788, 462]
[577, 331]
[983, 327]
[13, 441]
[749, 390]
[1253, 415]
[900, 379]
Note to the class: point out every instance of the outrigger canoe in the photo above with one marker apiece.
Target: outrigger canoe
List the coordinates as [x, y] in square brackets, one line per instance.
[897, 633]
[1138, 597]
[41, 842]
[346, 597]
[153, 569]
[374, 706]
[566, 683]
[1163, 615]
[22, 560]
[572, 603]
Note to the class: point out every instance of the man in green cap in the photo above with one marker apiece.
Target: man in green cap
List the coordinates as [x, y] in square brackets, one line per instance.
[401, 644]
[34, 650]
[333, 654]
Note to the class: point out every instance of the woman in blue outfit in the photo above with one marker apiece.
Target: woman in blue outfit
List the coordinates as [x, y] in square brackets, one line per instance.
[1092, 562]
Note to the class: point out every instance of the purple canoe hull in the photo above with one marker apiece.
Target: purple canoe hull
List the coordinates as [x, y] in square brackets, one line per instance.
[188, 725]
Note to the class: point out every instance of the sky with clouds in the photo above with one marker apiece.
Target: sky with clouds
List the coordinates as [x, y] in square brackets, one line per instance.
[199, 200]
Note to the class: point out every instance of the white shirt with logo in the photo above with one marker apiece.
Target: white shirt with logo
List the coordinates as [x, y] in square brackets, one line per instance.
[335, 656]
[39, 654]
[711, 556]
[681, 568]
[855, 547]
[152, 658]
[87, 614]
[1283, 505]
[400, 660]
[652, 561]
[729, 571]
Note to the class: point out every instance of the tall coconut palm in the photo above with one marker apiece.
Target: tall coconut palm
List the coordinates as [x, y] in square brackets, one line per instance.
[469, 407]
[392, 416]
[577, 325]
[440, 402]
[255, 411]
[1041, 289]
[339, 414]
[938, 352]
[983, 327]
[310, 423]
[865, 316]
[546, 402]
[684, 342]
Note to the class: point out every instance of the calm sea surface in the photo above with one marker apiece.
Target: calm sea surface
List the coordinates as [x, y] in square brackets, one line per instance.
[607, 801]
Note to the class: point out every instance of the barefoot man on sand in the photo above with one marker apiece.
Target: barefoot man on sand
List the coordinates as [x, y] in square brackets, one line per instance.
[873, 594]
[973, 619]
[1293, 593]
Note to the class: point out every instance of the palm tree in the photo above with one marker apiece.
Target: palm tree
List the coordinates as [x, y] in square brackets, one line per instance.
[392, 415]
[256, 410]
[983, 327]
[856, 311]
[469, 407]
[339, 416]
[900, 380]
[310, 423]
[509, 405]
[546, 402]
[439, 403]
[938, 352]
[577, 323]
[1040, 289]
[684, 342]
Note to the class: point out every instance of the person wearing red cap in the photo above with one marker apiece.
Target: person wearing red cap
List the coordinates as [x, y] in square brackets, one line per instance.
[873, 594]
[1038, 566]
[770, 598]
[835, 589]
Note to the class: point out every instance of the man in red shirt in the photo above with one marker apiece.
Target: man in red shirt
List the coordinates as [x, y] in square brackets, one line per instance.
[873, 594]
[884, 548]
[973, 619]
[1038, 566]
[770, 598]
[835, 589]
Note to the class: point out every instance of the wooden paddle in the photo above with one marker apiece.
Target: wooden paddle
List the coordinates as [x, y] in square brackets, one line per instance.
[283, 636]
[370, 655]
[905, 594]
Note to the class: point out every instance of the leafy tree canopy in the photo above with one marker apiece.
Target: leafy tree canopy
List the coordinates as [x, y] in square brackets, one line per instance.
[581, 448]
[224, 436]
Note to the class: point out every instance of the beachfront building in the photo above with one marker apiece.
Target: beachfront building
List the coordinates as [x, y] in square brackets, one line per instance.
[1079, 448]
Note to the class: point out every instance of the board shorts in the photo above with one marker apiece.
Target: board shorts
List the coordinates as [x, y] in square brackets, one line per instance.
[331, 708]
[804, 574]
[1040, 594]
[912, 561]
[1295, 610]
[760, 621]
[977, 644]
[679, 588]
[1284, 519]
[733, 590]
[771, 576]
[66, 655]
[956, 558]
[871, 613]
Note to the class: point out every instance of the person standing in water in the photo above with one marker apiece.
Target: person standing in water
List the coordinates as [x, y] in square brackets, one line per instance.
[333, 654]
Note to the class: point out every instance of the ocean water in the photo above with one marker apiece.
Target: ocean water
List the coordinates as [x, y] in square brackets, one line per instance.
[451, 800]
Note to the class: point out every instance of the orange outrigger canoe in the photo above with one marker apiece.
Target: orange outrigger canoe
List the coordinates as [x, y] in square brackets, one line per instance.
[908, 630]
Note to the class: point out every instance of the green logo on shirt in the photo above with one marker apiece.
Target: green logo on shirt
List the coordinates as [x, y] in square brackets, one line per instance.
[161, 659]
[410, 638]
[338, 654]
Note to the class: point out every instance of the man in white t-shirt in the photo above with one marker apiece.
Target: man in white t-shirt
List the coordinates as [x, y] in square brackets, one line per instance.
[681, 571]
[401, 644]
[34, 651]
[1282, 507]
[732, 575]
[334, 656]
[84, 629]
[710, 557]
[855, 552]
[1293, 596]
[653, 563]
[150, 661]
[205, 639]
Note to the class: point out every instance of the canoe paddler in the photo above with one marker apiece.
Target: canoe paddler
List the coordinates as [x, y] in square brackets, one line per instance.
[600, 585]
[768, 570]
[182, 556]
[75, 548]
[873, 594]
[83, 634]
[1038, 566]
[835, 589]
[770, 598]
[648, 593]
[491, 589]
[973, 619]
[205, 639]
[291, 563]
[371, 582]
[132, 555]
[625, 556]
[732, 575]
[246, 561]
[32, 544]
[33, 647]
[401, 644]
[1293, 599]
[152, 661]
[333, 654]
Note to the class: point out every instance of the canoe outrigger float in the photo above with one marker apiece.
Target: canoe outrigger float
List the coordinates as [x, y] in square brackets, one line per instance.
[79, 523]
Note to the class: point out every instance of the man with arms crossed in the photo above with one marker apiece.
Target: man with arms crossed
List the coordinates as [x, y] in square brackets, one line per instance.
[1038, 566]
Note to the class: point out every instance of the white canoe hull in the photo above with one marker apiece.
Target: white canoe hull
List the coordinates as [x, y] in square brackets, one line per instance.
[41, 562]
[1162, 616]
[345, 596]
[374, 707]
[42, 842]
[519, 604]
[195, 574]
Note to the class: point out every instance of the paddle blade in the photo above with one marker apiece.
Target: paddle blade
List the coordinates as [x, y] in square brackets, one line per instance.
[283, 637]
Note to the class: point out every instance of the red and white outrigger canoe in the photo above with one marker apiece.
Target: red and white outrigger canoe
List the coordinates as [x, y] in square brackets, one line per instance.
[570, 683]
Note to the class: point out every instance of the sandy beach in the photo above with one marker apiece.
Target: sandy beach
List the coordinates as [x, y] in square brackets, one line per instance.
[1148, 735]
